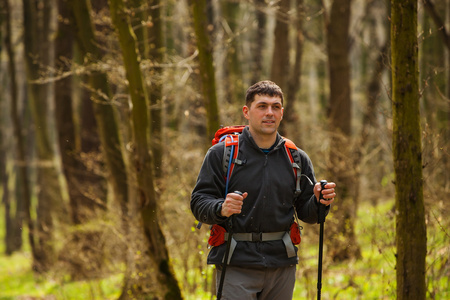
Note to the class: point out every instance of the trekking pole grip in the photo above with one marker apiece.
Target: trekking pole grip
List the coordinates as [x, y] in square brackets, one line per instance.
[322, 207]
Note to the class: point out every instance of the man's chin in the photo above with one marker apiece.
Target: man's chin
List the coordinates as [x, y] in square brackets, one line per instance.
[269, 130]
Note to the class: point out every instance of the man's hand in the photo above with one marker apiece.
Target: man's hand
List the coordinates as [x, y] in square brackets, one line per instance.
[328, 193]
[233, 204]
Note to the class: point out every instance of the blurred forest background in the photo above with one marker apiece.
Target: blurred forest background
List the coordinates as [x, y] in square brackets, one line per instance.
[108, 107]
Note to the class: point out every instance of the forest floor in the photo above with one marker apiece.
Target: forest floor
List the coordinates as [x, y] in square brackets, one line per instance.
[371, 277]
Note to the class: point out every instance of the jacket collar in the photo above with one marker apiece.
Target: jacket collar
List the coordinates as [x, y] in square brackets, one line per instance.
[248, 136]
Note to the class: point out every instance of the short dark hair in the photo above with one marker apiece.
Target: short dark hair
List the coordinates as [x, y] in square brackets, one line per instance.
[265, 87]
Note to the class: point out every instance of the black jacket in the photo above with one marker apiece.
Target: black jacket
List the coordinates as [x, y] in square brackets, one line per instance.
[270, 183]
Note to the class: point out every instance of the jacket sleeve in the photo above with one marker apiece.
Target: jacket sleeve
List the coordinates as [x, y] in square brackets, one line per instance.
[209, 190]
[306, 203]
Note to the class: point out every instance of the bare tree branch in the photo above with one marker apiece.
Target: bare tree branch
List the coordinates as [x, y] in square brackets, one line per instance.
[431, 9]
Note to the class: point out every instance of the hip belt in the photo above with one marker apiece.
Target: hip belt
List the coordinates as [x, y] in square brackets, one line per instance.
[261, 237]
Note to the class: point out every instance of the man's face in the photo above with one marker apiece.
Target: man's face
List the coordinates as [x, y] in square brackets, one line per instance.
[264, 114]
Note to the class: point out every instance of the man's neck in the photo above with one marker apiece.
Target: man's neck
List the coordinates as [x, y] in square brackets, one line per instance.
[264, 141]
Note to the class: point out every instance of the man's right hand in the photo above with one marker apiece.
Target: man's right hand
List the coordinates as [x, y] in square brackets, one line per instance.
[233, 204]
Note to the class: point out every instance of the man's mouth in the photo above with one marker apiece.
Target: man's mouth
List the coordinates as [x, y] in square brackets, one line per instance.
[268, 121]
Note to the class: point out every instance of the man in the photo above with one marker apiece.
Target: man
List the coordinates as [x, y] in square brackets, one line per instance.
[262, 263]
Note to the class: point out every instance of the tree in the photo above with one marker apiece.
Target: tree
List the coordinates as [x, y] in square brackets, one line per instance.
[37, 49]
[156, 56]
[14, 220]
[233, 62]
[101, 101]
[407, 152]
[206, 67]
[258, 45]
[148, 27]
[280, 56]
[443, 112]
[374, 56]
[86, 187]
[294, 80]
[143, 168]
[344, 242]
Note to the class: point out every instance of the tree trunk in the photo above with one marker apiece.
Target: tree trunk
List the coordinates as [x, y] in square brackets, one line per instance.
[233, 80]
[103, 109]
[369, 125]
[206, 67]
[294, 82]
[443, 31]
[280, 55]
[258, 45]
[14, 233]
[148, 28]
[86, 189]
[445, 122]
[407, 153]
[432, 81]
[141, 22]
[157, 250]
[37, 48]
[344, 244]
[156, 55]
[8, 221]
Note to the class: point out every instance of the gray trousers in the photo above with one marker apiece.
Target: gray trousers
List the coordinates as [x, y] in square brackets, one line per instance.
[257, 283]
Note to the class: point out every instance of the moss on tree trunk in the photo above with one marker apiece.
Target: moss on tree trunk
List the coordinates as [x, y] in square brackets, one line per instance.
[411, 240]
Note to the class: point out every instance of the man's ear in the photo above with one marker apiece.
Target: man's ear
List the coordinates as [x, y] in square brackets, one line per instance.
[245, 110]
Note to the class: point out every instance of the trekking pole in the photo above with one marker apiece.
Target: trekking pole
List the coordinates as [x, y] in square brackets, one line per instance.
[227, 253]
[321, 221]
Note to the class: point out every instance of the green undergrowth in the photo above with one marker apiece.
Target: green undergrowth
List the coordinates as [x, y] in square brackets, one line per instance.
[17, 281]
[371, 277]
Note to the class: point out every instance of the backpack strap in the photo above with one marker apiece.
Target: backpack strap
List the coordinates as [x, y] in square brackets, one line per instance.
[230, 154]
[294, 157]
[230, 157]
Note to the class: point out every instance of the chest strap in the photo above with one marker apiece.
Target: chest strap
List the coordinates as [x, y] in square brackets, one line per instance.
[261, 237]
